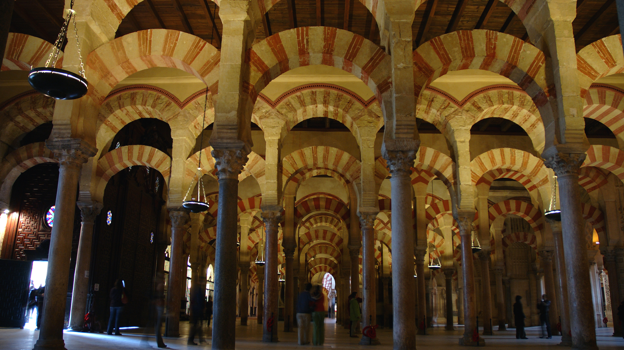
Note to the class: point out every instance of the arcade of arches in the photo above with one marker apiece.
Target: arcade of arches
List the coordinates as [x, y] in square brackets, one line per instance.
[324, 152]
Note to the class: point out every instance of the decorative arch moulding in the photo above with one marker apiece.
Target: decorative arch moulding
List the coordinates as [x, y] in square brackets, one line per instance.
[291, 92]
[465, 100]
[169, 95]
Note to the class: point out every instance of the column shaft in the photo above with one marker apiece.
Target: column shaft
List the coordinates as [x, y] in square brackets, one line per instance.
[500, 300]
[244, 296]
[260, 301]
[448, 275]
[271, 282]
[609, 262]
[562, 293]
[486, 293]
[289, 293]
[549, 281]
[470, 302]
[422, 291]
[369, 299]
[354, 254]
[177, 278]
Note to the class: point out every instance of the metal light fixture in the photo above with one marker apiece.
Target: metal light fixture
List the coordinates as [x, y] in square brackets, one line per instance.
[196, 205]
[58, 83]
[434, 263]
[553, 212]
[476, 246]
[260, 257]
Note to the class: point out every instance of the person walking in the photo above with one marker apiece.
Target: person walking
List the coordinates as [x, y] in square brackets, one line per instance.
[318, 316]
[208, 310]
[544, 308]
[354, 314]
[304, 315]
[117, 296]
[197, 315]
[519, 318]
[39, 296]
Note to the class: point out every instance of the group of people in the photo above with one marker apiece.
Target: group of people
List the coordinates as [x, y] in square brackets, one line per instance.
[35, 301]
[312, 305]
[544, 308]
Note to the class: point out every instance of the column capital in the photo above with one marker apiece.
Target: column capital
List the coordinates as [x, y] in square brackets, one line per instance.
[354, 251]
[610, 255]
[465, 218]
[230, 162]
[400, 162]
[367, 219]
[546, 255]
[272, 215]
[420, 253]
[564, 164]
[499, 269]
[71, 152]
[448, 272]
[89, 210]
[289, 251]
[179, 218]
[484, 255]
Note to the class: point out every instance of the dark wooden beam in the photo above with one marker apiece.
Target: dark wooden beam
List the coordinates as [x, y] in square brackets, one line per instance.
[292, 13]
[210, 15]
[459, 10]
[265, 26]
[373, 30]
[426, 21]
[43, 34]
[507, 22]
[156, 15]
[594, 18]
[133, 20]
[616, 30]
[579, 3]
[268, 23]
[319, 12]
[180, 10]
[486, 123]
[347, 14]
[46, 11]
[6, 13]
[506, 125]
[487, 12]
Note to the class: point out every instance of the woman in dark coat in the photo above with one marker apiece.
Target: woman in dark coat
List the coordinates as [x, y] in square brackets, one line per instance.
[519, 318]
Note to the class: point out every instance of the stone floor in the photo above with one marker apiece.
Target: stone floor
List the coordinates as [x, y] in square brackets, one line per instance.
[248, 338]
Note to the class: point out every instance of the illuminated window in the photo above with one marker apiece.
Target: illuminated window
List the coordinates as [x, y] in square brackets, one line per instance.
[50, 216]
[157, 183]
[109, 218]
[152, 237]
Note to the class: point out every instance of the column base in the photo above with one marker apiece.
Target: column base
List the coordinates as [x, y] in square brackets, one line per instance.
[502, 327]
[49, 345]
[268, 338]
[467, 341]
[368, 341]
[77, 328]
[488, 332]
[244, 321]
[449, 328]
[421, 332]
[566, 340]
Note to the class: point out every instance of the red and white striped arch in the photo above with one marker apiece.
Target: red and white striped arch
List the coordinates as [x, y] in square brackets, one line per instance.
[520, 237]
[321, 157]
[606, 158]
[605, 104]
[519, 208]
[319, 235]
[322, 269]
[437, 163]
[24, 52]
[322, 204]
[323, 249]
[601, 58]
[23, 114]
[320, 220]
[595, 217]
[323, 261]
[591, 178]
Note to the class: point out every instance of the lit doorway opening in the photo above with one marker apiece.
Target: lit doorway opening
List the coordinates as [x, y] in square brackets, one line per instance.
[38, 276]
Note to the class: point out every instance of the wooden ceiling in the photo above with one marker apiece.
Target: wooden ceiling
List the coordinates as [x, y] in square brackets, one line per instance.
[595, 18]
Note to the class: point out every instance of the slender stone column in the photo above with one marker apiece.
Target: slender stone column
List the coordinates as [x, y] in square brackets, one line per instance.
[369, 299]
[271, 219]
[486, 292]
[421, 300]
[500, 299]
[71, 155]
[290, 290]
[460, 298]
[354, 255]
[244, 297]
[549, 281]
[448, 275]
[403, 285]
[260, 301]
[610, 264]
[386, 298]
[80, 290]
[562, 293]
[229, 164]
[179, 220]
[566, 168]
[465, 219]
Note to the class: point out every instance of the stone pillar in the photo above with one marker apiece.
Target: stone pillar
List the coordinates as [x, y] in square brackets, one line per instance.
[369, 299]
[582, 325]
[486, 292]
[508, 297]
[562, 293]
[448, 275]
[244, 296]
[260, 301]
[80, 290]
[465, 219]
[500, 299]
[421, 300]
[271, 219]
[403, 303]
[229, 164]
[549, 281]
[610, 264]
[386, 298]
[460, 298]
[177, 277]
[289, 295]
[71, 154]
[354, 255]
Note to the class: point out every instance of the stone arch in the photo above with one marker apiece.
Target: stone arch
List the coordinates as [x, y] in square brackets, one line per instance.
[339, 208]
[604, 104]
[437, 163]
[23, 52]
[528, 238]
[23, 114]
[323, 261]
[322, 219]
[123, 157]
[322, 269]
[519, 208]
[606, 158]
[595, 217]
[436, 209]
[319, 235]
[599, 59]
[114, 61]
[255, 166]
[17, 162]
[325, 249]
[537, 187]
[321, 157]
[591, 178]
[250, 205]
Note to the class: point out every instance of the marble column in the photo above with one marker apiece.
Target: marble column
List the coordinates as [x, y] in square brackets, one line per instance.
[486, 292]
[465, 219]
[562, 292]
[403, 303]
[271, 219]
[448, 275]
[260, 301]
[582, 325]
[421, 300]
[386, 298]
[229, 164]
[354, 255]
[289, 295]
[460, 298]
[549, 281]
[500, 299]
[244, 296]
[80, 290]
[610, 265]
[71, 154]
[369, 299]
[177, 277]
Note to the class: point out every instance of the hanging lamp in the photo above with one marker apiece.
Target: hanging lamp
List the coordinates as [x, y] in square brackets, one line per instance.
[476, 246]
[260, 257]
[553, 212]
[196, 205]
[58, 83]
[434, 263]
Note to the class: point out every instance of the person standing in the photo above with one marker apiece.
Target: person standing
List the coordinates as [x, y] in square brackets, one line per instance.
[116, 304]
[621, 313]
[354, 314]
[197, 315]
[318, 316]
[209, 310]
[544, 308]
[304, 315]
[159, 302]
[519, 318]
[39, 297]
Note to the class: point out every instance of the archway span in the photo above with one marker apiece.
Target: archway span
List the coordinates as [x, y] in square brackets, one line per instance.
[24, 52]
[599, 59]
[23, 114]
[604, 103]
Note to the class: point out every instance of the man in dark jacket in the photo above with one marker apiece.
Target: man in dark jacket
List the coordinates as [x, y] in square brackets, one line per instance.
[544, 308]
[519, 318]
[304, 314]
[197, 314]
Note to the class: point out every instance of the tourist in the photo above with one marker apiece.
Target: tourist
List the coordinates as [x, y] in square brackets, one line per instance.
[304, 315]
[543, 308]
[197, 315]
[519, 318]
[117, 298]
[318, 316]
[209, 310]
[354, 314]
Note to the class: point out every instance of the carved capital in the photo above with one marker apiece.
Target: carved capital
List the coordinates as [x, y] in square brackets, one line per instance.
[89, 211]
[179, 218]
[400, 163]
[271, 217]
[289, 252]
[420, 254]
[229, 162]
[71, 153]
[484, 255]
[448, 273]
[465, 219]
[546, 255]
[354, 251]
[367, 220]
[564, 164]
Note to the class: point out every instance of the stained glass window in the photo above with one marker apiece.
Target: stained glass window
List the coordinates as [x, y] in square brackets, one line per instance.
[152, 237]
[50, 216]
[118, 145]
[109, 218]
[157, 183]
